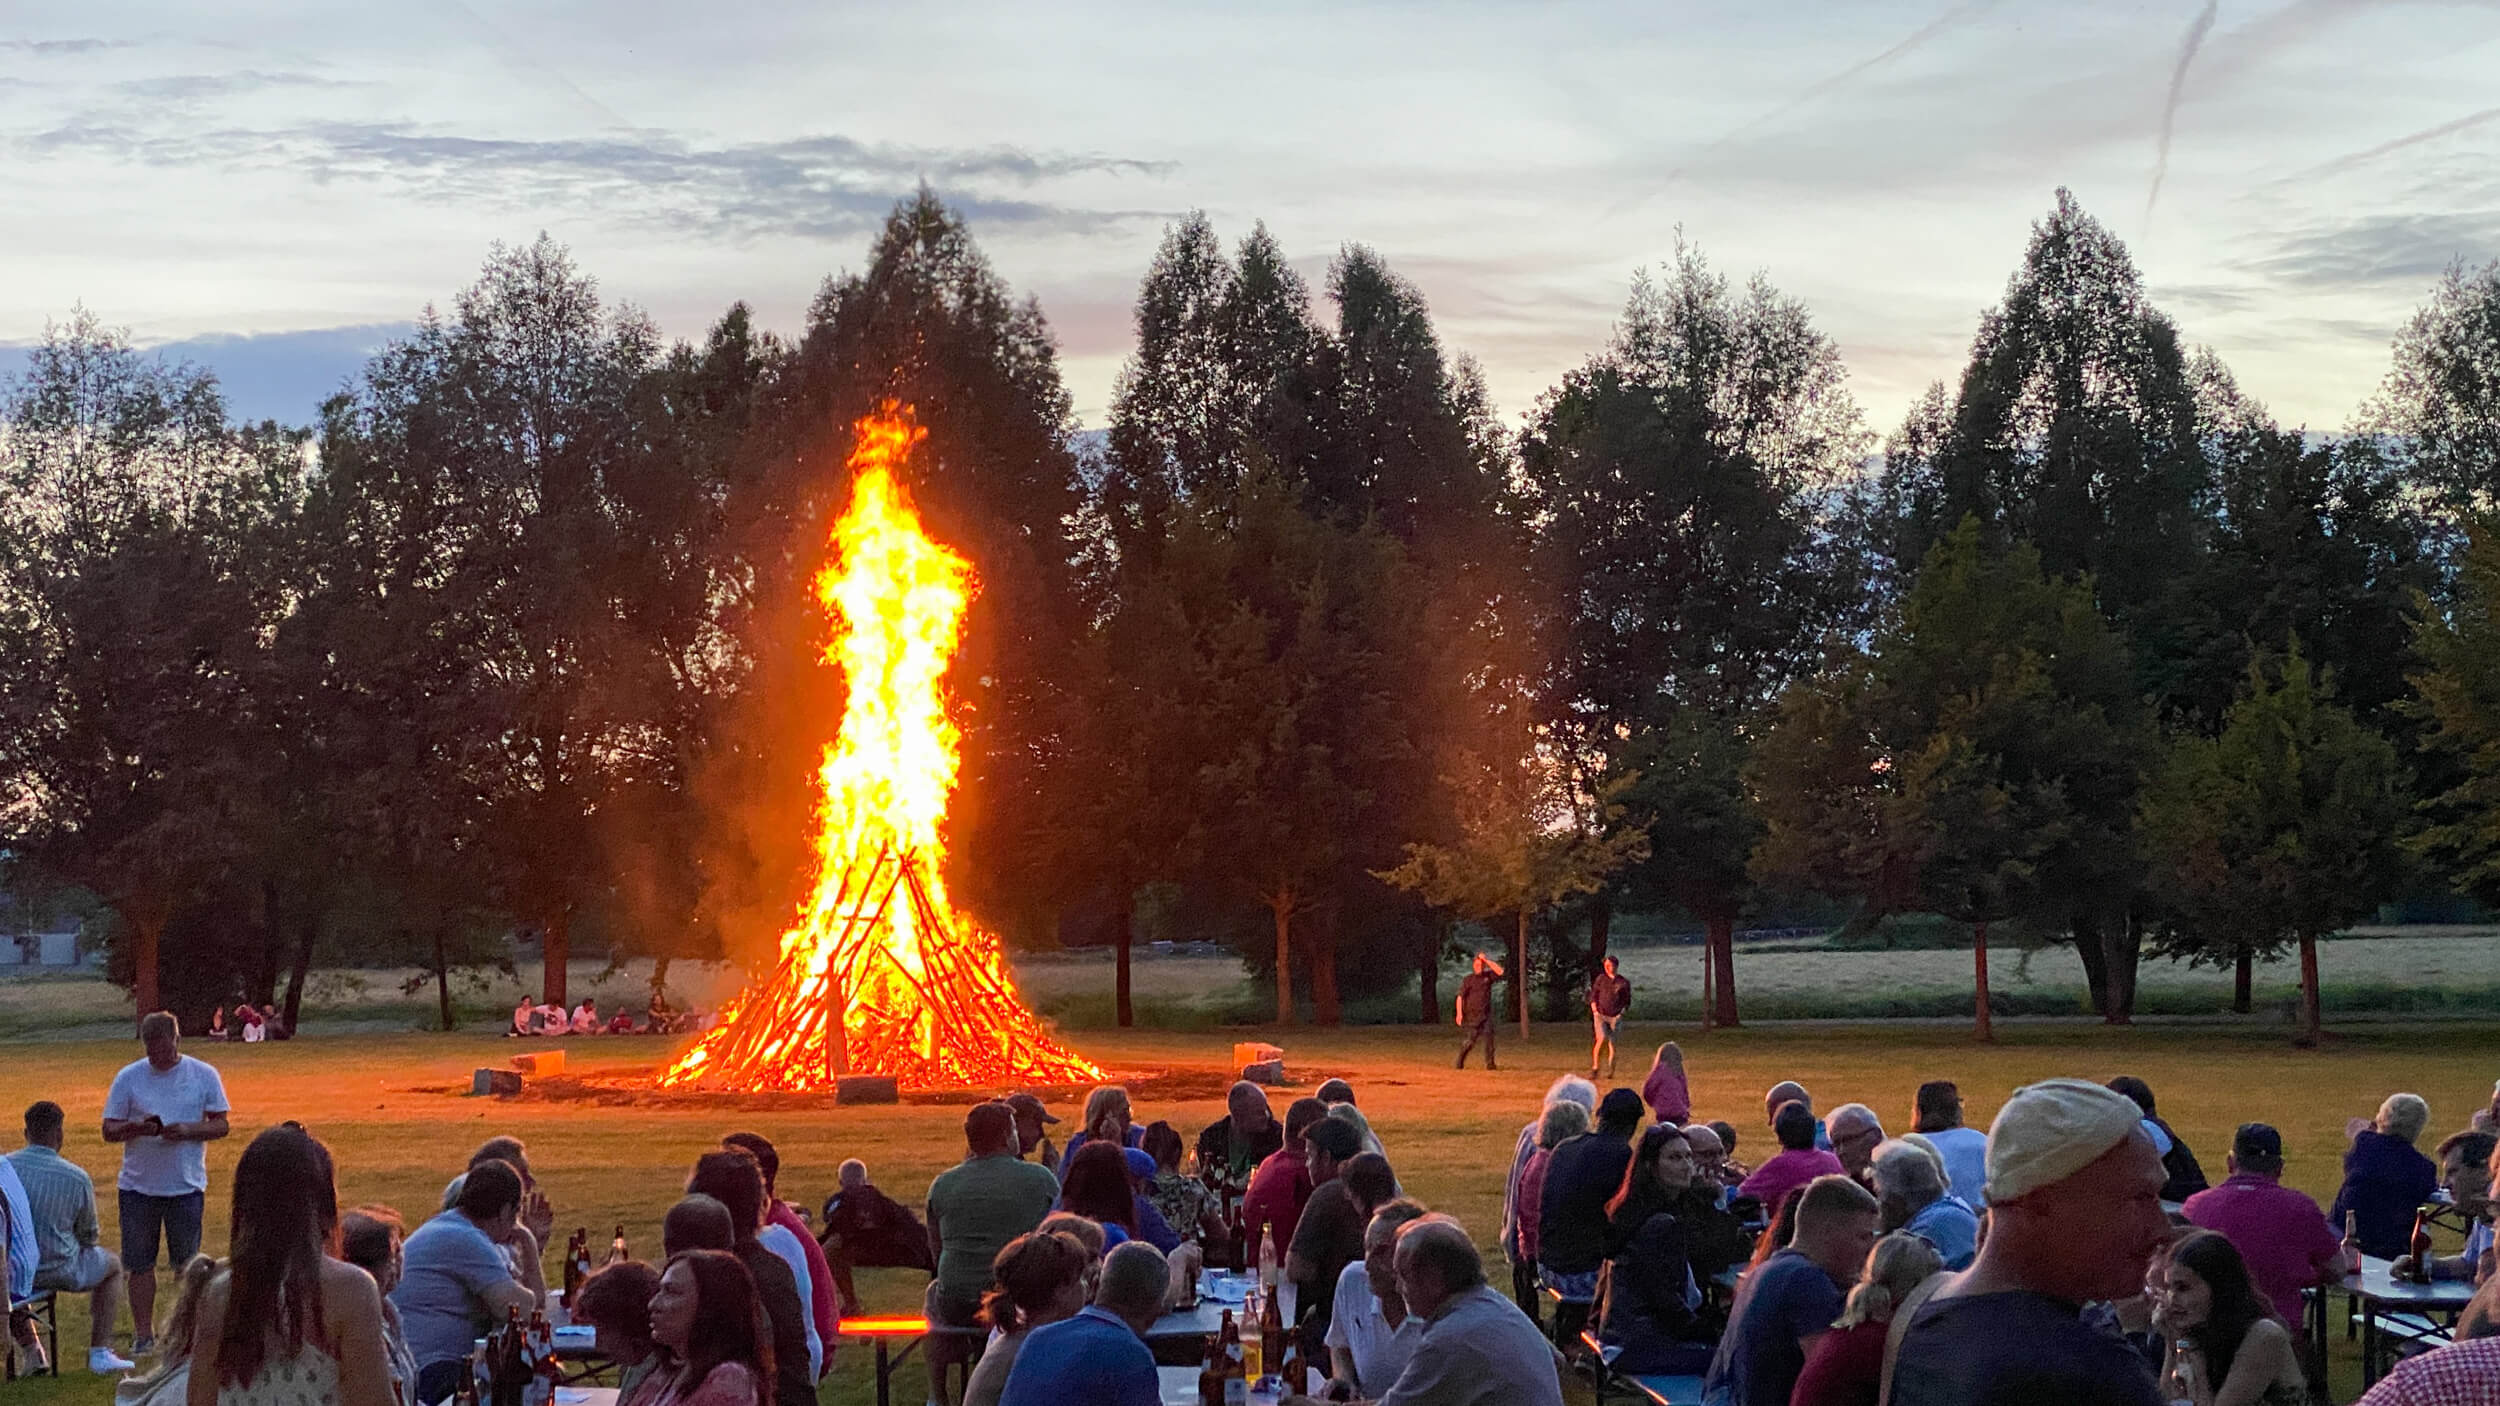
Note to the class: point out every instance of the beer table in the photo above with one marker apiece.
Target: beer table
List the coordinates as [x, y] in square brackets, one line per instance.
[884, 1330]
[585, 1396]
[1178, 1386]
[2393, 1311]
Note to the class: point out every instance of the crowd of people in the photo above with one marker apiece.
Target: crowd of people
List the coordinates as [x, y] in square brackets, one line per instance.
[533, 1018]
[2044, 1260]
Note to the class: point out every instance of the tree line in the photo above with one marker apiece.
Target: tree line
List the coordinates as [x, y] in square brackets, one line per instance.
[1310, 651]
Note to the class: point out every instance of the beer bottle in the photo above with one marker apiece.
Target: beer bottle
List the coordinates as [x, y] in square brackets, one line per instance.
[1297, 1372]
[1271, 1329]
[1253, 1345]
[465, 1394]
[581, 1264]
[1236, 1369]
[1267, 1264]
[2421, 1245]
[1211, 1374]
[617, 1253]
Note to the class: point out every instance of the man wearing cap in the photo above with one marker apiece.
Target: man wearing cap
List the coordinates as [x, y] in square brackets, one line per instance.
[1245, 1136]
[2075, 1214]
[2282, 1234]
[1032, 1143]
[975, 1208]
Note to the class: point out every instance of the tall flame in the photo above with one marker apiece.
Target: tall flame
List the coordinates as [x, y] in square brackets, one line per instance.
[924, 995]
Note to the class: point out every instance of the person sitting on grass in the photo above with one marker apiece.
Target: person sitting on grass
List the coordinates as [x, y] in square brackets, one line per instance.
[1281, 1187]
[1909, 1182]
[1099, 1356]
[2074, 1213]
[169, 1383]
[2469, 1164]
[715, 1346]
[2386, 1178]
[2224, 1338]
[622, 1023]
[552, 1020]
[786, 1234]
[1792, 1298]
[1799, 1160]
[1371, 1335]
[1650, 1299]
[524, 1018]
[2280, 1233]
[585, 1018]
[369, 1238]
[65, 1245]
[1041, 1279]
[1571, 1213]
[455, 1281]
[615, 1304]
[867, 1229]
[1846, 1367]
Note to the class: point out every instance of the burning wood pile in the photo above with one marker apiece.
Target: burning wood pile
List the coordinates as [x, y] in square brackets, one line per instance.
[879, 975]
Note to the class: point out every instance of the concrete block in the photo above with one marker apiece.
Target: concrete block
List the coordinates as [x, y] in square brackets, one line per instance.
[1269, 1072]
[1255, 1052]
[541, 1062]
[502, 1083]
[866, 1088]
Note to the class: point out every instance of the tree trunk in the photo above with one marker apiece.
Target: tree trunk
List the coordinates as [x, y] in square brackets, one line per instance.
[1283, 912]
[272, 942]
[1558, 991]
[442, 978]
[2086, 930]
[1519, 971]
[294, 1007]
[1722, 940]
[1979, 969]
[2123, 947]
[1601, 920]
[2243, 978]
[2310, 1020]
[1123, 935]
[1428, 976]
[659, 974]
[556, 949]
[1709, 980]
[1325, 1007]
[147, 931]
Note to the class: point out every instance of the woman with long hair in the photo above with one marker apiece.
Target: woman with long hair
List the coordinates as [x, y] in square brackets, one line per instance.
[1042, 1278]
[1649, 1303]
[707, 1324]
[1096, 1187]
[2226, 1349]
[1846, 1367]
[169, 1383]
[1107, 1119]
[286, 1322]
[1665, 1090]
[615, 1304]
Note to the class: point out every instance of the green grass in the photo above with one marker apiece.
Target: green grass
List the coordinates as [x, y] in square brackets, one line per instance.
[389, 1108]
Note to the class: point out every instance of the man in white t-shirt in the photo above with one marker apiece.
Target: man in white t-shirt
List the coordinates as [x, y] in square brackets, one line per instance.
[163, 1110]
[1365, 1351]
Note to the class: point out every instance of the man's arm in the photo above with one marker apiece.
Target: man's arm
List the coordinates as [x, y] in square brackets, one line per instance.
[83, 1224]
[210, 1127]
[937, 1236]
[132, 1129]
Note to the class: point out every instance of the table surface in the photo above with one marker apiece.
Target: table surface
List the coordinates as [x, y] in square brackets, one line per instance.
[2376, 1282]
[1179, 1387]
[585, 1396]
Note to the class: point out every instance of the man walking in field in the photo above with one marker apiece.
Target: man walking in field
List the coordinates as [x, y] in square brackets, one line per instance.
[1475, 1008]
[1610, 995]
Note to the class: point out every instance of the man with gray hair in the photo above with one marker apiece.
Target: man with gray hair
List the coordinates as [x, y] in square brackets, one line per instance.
[1910, 1184]
[1477, 1349]
[2075, 1214]
[1099, 1357]
[1855, 1130]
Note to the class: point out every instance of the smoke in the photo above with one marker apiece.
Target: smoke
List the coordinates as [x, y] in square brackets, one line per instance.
[2195, 40]
[2359, 158]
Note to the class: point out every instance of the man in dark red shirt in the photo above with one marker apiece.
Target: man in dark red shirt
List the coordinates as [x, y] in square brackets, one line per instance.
[1610, 995]
[1475, 1008]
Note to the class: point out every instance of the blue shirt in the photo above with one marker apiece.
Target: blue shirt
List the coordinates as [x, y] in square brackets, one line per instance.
[1093, 1359]
[1788, 1299]
[1965, 1153]
[1951, 1227]
[446, 1267]
[24, 1251]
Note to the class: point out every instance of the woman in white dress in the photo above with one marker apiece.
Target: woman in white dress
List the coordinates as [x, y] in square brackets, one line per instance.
[286, 1323]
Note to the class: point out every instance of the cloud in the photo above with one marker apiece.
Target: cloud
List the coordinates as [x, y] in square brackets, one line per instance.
[195, 87]
[282, 376]
[2413, 249]
[2359, 158]
[811, 186]
[61, 48]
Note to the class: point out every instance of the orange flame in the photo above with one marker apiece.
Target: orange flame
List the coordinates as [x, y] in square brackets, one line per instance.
[925, 996]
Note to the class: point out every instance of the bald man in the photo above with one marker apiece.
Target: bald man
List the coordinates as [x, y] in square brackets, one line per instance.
[1245, 1136]
[2075, 1214]
[1478, 1349]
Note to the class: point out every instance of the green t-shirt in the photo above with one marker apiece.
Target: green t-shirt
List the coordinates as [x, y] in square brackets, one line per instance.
[975, 1208]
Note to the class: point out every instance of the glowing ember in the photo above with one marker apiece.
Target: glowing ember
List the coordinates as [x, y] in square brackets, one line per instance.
[924, 996]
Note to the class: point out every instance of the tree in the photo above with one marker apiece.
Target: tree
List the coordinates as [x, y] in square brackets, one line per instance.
[1980, 761]
[2284, 827]
[136, 601]
[1681, 485]
[2459, 703]
[2439, 410]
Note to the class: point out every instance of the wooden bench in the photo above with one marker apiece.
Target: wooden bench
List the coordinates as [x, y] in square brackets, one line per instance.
[887, 1329]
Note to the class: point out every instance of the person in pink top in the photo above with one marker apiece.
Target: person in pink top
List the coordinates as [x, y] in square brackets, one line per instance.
[1799, 1160]
[1665, 1091]
[1562, 1122]
[820, 1294]
[2281, 1233]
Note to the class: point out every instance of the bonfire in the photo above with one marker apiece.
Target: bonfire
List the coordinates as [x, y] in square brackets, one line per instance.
[878, 974]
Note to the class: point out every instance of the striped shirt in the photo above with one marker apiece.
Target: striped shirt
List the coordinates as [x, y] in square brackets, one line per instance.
[61, 1198]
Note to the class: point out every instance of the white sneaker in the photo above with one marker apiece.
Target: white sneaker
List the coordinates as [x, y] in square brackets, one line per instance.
[103, 1361]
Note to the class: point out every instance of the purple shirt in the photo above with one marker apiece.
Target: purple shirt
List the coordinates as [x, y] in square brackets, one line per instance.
[2280, 1232]
[1792, 1168]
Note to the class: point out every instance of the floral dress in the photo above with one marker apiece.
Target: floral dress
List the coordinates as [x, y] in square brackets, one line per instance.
[1181, 1200]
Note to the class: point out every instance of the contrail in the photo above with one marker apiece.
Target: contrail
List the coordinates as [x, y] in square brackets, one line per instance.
[1968, 9]
[2346, 163]
[2195, 40]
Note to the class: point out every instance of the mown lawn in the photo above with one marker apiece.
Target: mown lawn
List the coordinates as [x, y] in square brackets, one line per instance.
[390, 1106]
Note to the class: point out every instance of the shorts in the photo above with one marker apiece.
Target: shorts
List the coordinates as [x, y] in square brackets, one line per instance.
[88, 1269]
[941, 1307]
[144, 1215]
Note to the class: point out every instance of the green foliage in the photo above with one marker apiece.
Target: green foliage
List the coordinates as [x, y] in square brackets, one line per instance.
[2459, 687]
[2439, 410]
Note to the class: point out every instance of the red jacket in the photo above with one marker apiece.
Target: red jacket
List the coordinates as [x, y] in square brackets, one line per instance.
[1279, 1189]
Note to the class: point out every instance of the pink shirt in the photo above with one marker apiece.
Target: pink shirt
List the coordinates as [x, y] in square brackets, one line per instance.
[1531, 1196]
[1666, 1094]
[1792, 1168]
[2280, 1232]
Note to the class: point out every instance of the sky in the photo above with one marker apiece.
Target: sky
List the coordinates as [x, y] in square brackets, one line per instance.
[276, 190]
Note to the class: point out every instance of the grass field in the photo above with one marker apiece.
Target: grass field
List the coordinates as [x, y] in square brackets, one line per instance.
[392, 1110]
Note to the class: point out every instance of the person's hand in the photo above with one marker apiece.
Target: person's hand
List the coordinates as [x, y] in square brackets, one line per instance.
[538, 1215]
[152, 1126]
[2355, 1127]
